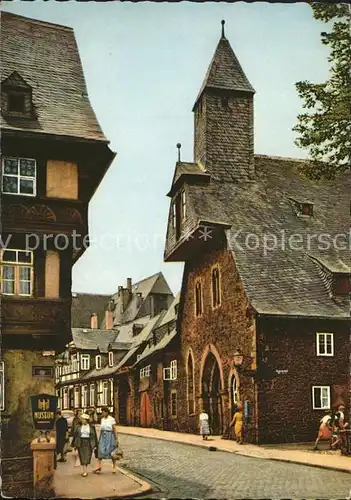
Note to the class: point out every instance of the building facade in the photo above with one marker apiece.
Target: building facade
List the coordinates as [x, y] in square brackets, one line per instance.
[54, 156]
[264, 313]
[85, 370]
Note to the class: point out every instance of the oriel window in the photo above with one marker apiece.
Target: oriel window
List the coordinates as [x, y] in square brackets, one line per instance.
[216, 286]
[17, 272]
[19, 176]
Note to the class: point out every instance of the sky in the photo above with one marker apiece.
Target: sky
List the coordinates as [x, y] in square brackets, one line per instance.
[144, 64]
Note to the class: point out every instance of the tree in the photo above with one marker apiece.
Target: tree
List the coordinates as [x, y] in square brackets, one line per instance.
[325, 129]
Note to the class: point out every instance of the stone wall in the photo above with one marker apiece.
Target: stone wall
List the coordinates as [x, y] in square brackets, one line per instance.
[220, 331]
[16, 420]
[285, 404]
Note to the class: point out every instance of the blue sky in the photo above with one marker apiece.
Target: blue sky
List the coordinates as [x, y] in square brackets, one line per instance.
[144, 64]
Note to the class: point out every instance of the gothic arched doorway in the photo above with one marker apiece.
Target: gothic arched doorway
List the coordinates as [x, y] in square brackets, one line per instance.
[145, 410]
[211, 388]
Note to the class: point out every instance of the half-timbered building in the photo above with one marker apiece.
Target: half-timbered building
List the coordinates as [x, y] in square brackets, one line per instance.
[54, 155]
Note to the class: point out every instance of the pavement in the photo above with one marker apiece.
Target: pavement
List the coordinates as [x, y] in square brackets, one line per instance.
[297, 454]
[68, 482]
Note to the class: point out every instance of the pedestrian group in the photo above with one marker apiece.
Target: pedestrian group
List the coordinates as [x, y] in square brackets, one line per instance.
[85, 442]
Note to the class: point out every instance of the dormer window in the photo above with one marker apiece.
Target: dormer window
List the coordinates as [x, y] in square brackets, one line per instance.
[16, 102]
[302, 208]
[98, 362]
[16, 97]
[110, 358]
[307, 209]
[342, 284]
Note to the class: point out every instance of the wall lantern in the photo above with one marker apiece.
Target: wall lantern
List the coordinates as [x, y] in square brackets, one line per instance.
[238, 358]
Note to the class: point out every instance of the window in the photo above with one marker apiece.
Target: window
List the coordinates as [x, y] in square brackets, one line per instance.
[342, 285]
[85, 361]
[145, 372]
[105, 393]
[190, 384]
[321, 397]
[74, 363]
[65, 398]
[179, 212]
[198, 298]
[85, 396]
[19, 176]
[16, 272]
[98, 362]
[99, 393]
[111, 392]
[92, 401]
[174, 216]
[307, 209]
[76, 397]
[234, 394]
[174, 369]
[216, 288]
[110, 358]
[173, 404]
[325, 344]
[16, 102]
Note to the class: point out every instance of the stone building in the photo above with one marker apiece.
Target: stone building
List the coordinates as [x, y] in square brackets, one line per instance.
[85, 371]
[264, 315]
[54, 156]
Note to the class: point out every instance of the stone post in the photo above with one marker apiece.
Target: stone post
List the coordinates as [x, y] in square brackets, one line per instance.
[43, 467]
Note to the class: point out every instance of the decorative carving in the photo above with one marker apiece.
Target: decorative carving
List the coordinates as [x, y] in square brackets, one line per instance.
[35, 310]
[41, 212]
[71, 215]
[16, 210]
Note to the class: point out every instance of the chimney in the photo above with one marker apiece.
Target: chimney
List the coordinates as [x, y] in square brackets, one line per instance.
[129, 285]
[108, 320]
[93, 321]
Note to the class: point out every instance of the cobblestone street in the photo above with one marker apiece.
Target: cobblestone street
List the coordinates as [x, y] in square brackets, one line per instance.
[182, 471]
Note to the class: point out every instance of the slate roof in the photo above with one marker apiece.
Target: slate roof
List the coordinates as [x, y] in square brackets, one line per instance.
[91, 339]
[225, 71]
[155, 284]
[84, 304]
[162, 334]
[104, 371]
[46, 56]
[282, 281]
[186, 170]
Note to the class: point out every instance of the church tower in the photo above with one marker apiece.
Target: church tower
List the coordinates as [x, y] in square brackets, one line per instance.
[223, 118]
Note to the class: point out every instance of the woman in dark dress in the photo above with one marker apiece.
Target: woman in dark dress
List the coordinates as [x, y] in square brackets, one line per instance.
[85, 440]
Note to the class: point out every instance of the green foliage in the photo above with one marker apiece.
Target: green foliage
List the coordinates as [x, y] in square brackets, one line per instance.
[325, 128]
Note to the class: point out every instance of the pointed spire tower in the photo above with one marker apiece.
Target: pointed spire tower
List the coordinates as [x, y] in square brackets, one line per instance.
[224, 118]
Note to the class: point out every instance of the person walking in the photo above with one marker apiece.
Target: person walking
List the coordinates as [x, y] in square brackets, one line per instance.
[204, 425]
[61, 427]
[325, 428]
[85, 440]
[238, 422]
[75, 422]
[108, 440]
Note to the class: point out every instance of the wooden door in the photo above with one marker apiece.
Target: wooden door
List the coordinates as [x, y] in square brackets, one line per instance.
[145, 410]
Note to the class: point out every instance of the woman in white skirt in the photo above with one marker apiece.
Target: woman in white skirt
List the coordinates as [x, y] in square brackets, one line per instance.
[204, 425]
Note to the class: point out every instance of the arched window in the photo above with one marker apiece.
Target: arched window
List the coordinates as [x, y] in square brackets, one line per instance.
[190, 384]
[198, 298]
[216, 287]
[234, 392]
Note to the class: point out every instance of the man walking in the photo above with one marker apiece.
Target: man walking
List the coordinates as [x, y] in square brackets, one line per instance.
[61, 426]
